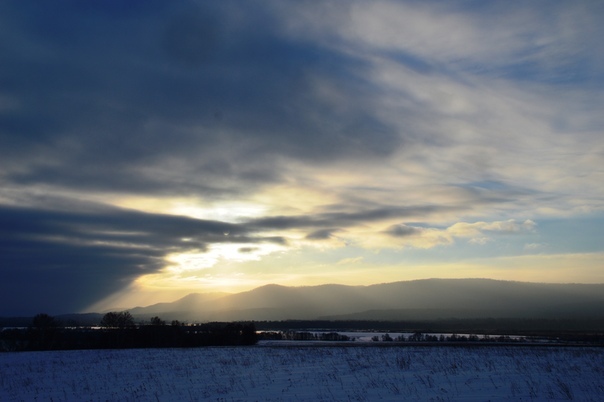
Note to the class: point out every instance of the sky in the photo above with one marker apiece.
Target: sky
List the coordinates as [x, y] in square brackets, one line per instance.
[150, 149]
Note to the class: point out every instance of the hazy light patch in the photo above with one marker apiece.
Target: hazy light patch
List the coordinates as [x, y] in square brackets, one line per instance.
[225, 211]
[191, 261]
[220, 280]
[203, 271]
[181, 263]
[231, 212]
[137, 295]
[235, 282]
[305, 193]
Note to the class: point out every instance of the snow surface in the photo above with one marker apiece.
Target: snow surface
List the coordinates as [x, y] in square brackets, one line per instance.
[287, 372]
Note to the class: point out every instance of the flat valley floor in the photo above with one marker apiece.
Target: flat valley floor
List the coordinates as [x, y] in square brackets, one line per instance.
[273, 372]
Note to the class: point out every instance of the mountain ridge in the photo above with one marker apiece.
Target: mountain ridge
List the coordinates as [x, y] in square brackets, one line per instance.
[438, 298]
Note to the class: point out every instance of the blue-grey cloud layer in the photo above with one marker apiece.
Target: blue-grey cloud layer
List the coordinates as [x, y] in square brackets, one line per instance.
[103, 94]
[219, 99]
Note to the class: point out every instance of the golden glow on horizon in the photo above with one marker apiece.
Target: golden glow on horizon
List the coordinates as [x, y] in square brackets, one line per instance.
[229, 277]
[237, 267]
[207, 271]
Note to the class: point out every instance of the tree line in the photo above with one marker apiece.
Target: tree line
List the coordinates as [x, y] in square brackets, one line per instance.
[117, 330]
[303, 336]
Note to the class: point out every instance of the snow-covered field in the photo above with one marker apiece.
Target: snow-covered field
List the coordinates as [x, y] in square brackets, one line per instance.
[272, 372]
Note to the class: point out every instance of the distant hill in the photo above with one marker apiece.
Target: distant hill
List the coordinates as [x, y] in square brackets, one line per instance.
[408, 300]
[191, 302]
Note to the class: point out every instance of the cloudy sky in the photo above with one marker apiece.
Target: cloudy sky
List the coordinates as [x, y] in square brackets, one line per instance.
[149, 149]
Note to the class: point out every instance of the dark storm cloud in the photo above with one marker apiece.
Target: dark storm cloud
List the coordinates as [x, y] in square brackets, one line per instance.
[107, 94]
[330, 220]
[321, 234]
[64, 260]
[402, 230]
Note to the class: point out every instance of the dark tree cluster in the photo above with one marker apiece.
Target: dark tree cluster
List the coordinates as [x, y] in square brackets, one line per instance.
[121, 319]
[118, 331]
[420, 337]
